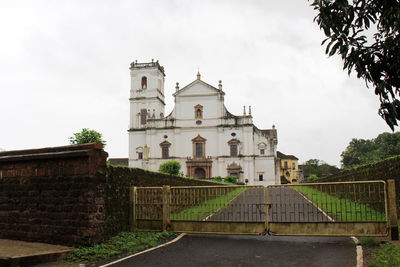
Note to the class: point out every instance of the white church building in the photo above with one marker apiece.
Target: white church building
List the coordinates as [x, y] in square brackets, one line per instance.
[200, 132]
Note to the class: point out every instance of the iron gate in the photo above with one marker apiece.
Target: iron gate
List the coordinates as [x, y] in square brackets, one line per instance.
[342, 209]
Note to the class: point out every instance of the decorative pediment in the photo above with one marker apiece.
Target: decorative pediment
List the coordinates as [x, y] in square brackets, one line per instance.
[198, 87]
[234, 166]
[139, 149]
[198, 106]
[165, 143]
[198, 139]
[262, 145]
[233, 141]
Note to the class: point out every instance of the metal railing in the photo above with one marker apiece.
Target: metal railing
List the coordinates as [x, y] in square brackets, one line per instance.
[324, 202]
[343, 209]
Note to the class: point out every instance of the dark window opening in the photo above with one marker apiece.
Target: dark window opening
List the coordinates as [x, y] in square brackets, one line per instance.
[199, 114]
[199, 150]
[234, 151]
[144, 82]
[165, 152]
[286, 164]
[260, 177]
[143, 116]
[140, 155]
[293, 166]
[262, 151]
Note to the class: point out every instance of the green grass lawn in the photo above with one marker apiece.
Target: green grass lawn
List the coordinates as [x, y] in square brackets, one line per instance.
[208, 207]
[341, 209]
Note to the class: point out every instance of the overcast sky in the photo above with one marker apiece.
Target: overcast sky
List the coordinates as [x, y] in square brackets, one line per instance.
[65, 66]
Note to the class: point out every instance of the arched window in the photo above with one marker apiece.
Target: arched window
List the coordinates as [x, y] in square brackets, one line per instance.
[144, 82]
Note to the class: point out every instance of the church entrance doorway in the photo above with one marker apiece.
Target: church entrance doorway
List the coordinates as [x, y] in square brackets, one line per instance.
[200, 173]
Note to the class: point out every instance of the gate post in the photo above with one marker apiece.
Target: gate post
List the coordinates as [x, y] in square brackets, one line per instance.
[166, 198]
[392, 203]
[132, 208]
[266, 209]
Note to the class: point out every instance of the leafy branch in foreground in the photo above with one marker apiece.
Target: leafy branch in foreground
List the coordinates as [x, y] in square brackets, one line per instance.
[365, 33]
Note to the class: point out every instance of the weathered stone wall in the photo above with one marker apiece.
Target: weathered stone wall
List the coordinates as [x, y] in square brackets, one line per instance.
[68, 195]
[53, 195]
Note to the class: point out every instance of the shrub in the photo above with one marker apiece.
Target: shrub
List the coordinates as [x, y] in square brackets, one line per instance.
[312, 177]
[170, 167]
[217, 179]
[231, 179]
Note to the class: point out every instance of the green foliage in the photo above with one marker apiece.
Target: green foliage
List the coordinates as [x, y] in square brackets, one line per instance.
[312, 177]
[123, 243]
[87, 136]
[217, 179]
[387, 256]
[231, 179]
[367, 241]
[319, 168]
[365, 33]
[360, 151]
[172, 167]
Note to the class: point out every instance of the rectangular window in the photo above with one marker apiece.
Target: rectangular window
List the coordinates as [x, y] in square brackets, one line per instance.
[140, 155]
[233, 150]
[261, 177]
[165, 152]
[262, 151]
[286, 165]
[293, 166]
[199, 150]
[143, 116]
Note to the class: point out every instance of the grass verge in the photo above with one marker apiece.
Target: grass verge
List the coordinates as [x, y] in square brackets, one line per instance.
[208, 207]
[342, 209]
[387, 256]
[122, 244]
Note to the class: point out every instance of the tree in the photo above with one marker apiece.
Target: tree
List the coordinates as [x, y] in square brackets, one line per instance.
[170, 167]
[87, 136]
[348, 26]
[360, 151]
[318, 168]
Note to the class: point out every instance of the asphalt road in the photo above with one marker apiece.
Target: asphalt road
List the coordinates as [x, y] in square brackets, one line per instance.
[230, 250]
[287, 205]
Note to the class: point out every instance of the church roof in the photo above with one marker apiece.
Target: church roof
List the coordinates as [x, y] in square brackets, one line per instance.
[198, 81]
[283, 156]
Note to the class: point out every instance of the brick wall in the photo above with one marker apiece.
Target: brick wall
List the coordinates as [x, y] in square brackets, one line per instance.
[53, 195]
[67, 195]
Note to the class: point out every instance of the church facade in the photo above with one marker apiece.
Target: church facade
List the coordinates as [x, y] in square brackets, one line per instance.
[200, 132]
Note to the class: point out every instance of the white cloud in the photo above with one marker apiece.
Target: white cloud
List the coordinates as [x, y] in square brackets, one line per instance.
[65, 66]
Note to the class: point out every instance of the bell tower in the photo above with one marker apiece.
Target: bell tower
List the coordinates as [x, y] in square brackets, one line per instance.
[146, 94]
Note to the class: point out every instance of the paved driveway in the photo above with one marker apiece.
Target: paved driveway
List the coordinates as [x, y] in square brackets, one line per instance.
[287, 205]
[230, 250]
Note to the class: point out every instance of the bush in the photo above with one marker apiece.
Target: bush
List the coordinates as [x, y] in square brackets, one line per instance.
[231, 179]
[170, 167]
[217, 179]
[312, 177]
